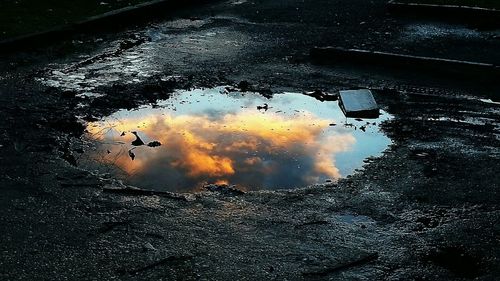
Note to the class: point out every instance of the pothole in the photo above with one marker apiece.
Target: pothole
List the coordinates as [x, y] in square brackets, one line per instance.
[211, 136]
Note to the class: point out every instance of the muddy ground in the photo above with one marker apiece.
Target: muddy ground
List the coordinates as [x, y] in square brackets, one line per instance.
[18, 18]
[425, 210]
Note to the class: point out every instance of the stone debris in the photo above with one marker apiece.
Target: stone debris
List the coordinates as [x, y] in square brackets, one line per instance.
[358, 104]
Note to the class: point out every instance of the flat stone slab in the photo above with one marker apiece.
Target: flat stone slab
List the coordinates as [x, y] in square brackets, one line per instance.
[358, 104]
[438, 66]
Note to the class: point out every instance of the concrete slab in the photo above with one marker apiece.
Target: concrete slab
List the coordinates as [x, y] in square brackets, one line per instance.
[358, 104]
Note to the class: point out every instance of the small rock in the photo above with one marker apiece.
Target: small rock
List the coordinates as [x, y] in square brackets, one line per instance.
[244, 86]
[138, 141]
[131, 154]
[149, 246]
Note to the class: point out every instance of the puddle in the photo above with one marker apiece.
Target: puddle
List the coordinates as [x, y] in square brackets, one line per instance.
[242, 139]
[185, 23]
[164, 47]
[355, 219]
[431, 31]
[238, 2]
[134, 58]
[104, 69]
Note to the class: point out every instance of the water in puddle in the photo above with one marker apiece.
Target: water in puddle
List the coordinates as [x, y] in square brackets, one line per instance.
[242, 139]
[355, 219]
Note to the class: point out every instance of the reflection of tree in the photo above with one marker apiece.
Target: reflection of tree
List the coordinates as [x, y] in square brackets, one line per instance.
[108, 150]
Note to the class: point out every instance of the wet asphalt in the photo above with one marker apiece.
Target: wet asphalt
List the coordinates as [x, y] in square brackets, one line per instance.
[427, 209]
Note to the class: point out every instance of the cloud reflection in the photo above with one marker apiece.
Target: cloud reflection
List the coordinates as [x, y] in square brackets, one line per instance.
[248, 148]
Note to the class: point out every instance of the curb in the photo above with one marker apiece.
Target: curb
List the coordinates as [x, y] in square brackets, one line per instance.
[329, 55]
[115, 18]
[483, 17]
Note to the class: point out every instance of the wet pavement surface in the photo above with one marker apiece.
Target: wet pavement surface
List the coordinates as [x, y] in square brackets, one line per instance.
[424, 208]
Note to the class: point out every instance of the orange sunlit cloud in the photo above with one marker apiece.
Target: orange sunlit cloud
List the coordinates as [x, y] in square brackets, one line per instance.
[222, 147]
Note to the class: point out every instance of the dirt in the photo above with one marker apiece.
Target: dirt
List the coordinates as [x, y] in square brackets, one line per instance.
[23, 17]
[427, 209]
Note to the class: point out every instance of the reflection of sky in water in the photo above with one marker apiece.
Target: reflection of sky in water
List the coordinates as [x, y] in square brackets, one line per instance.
[164, 48]
[429, 31]
[209, 137]
[130, 66]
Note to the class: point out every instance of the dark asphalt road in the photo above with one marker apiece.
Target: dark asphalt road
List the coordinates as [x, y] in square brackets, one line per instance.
[425, 210]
